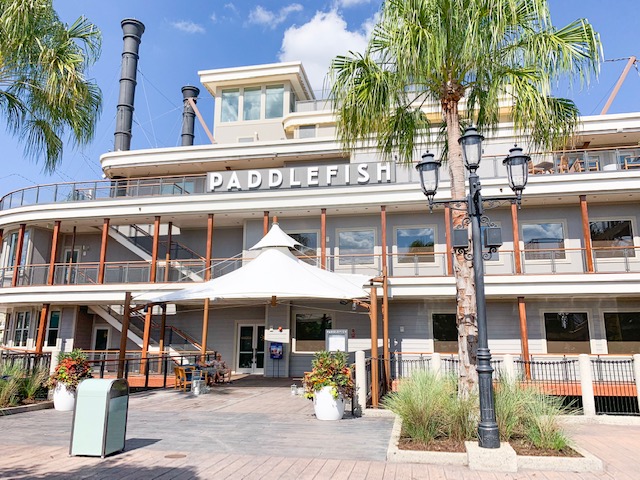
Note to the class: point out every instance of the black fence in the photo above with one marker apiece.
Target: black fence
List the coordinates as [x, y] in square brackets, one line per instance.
[614, 386]
[28, 361]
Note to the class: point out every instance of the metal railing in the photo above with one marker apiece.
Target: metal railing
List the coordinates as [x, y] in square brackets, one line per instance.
[27, 361]
[614, 385]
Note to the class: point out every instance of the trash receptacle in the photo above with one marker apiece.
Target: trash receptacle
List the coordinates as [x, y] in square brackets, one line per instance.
[100, 417]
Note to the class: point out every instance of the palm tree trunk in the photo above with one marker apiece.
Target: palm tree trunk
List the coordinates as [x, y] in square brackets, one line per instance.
[463, 269]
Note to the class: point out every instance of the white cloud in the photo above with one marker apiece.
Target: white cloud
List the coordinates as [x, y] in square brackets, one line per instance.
[262, 16]
[188, 27]
[317, 42]
[213, 18]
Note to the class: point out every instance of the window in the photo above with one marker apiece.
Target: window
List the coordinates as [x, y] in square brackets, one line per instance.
[23, 322]
[309, 241]
[567, 332]
[230, 103]
[445, 333]
[52, 330]
[12, 248]
[609, 238]
[543, 241]
[415, 244]
[310, 331]
[251, 103]
[275, 101]
[307, 131]
[623, 332]
[356, 247]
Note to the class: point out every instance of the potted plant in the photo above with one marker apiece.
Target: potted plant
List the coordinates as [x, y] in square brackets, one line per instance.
[329, 383]
[72, 368]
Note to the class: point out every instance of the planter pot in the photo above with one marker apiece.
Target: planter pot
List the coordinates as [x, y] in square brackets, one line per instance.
[327, 407]
[63, 398]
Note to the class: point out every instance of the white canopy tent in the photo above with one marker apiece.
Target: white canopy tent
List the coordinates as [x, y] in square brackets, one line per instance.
[275, 272]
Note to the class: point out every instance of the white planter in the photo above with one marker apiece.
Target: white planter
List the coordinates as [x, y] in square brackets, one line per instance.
[327, 407]
[63, 398]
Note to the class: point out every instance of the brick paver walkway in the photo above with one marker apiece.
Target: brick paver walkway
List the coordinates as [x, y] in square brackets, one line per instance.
[256, 429]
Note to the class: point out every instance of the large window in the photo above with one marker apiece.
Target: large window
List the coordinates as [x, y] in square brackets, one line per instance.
[310, 331]
[251, 103]
[567, 332]
[609, 238]
[623, 332]
[53, 329]
[415, 244]
[230, 105]
[12, 249]
[275, 101]
[445, 333]
[21, 331]
[356, 247]
[543, 241]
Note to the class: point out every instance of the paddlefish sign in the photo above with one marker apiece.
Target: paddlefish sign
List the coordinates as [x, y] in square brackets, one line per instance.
[301, 177]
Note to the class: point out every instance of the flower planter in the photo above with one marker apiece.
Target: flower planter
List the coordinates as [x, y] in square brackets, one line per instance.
[327, 407]
[64, 399]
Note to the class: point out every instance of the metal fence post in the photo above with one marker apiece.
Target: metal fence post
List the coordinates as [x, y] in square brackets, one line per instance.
[636, 374]
[361, 383]
[586, 383]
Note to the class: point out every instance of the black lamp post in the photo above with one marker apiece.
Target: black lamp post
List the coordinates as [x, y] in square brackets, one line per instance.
[517, 172]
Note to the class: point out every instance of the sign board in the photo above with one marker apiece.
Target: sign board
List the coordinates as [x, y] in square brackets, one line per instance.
[277, 335]
[336, 340]
[275, 350]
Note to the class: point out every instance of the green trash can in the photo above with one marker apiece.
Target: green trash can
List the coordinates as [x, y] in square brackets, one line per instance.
[100, 417]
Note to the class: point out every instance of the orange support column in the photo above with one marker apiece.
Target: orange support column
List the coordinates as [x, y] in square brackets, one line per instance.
[524, 336]
[42, 327]
[447, 235]
[586, 232]
[385, 298]
[55, 237]
[375, 377]
[323, 238]
[168, 253]
[73, 247]
[207, 277]
[265, 223]
[103, 250]
[16, 265]
[517, 257]
[124, 334]
[154, 250]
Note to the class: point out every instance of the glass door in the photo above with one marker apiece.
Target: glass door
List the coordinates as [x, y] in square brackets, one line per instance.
[250, 349]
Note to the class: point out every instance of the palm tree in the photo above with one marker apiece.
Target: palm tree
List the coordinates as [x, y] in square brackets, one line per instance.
[474, 54]
[44, 94]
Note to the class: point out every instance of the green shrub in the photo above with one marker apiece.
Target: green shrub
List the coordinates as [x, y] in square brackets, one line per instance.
[33, 383]
[430, 409]
[10, 377]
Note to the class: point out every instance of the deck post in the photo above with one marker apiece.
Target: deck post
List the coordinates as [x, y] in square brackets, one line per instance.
[586, 382]
[385, 300]
[586, 233]
[18, 258]
[375, 377]
[207, 277]
[154, 249]
[124, 334]
[524, 336]
[103, 250]
[55, 236]
[265, 222]
[323, 238]
[42, 327]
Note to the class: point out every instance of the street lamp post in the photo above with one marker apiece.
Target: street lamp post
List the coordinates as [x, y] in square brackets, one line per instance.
[517, 172]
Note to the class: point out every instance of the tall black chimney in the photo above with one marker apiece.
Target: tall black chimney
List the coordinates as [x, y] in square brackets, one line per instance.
[188, 115]
[132, 31]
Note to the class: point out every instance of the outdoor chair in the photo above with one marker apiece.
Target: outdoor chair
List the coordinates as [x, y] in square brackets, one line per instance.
[182, 380]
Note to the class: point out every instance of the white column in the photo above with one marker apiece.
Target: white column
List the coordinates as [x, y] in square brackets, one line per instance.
[361, 383]
[588, 399]
[509, 367]
[436, 364]
[636, 371]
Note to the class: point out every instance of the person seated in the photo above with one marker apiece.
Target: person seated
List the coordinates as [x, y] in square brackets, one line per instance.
[222, 371]
[207, 367]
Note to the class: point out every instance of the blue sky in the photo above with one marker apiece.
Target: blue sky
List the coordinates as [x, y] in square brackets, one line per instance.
[182, 38]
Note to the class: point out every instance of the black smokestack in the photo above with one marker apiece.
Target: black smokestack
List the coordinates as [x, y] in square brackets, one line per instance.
[132, 31]
[188, 115]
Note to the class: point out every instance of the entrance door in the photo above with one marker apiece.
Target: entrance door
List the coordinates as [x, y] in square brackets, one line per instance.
[250, 349]
[101, 342]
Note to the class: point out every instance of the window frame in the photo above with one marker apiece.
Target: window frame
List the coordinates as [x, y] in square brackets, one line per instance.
[25, 330]
[604, 325]
[634, 239]
[435, 255]
[590, 326]
[50, 330]
[565, 259]
[372, 255]
[433, 336]
[294, 324]
[239, 107]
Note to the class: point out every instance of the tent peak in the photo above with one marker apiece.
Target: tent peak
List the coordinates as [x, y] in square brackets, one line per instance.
[275, 238]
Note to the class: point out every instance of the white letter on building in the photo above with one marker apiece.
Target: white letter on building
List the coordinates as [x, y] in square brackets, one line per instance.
[275, 178]
[292, 178]
[332, 171]
[384, 167]
[364, 175]
[215, 180]
[254, 179]
[234, 182]
[312, 176]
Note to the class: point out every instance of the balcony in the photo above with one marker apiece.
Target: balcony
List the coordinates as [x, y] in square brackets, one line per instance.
[560, 261]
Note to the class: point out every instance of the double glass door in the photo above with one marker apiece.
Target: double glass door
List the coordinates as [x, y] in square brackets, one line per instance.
[250, 348]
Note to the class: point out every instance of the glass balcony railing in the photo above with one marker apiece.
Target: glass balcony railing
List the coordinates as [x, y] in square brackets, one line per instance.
[558, 261]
